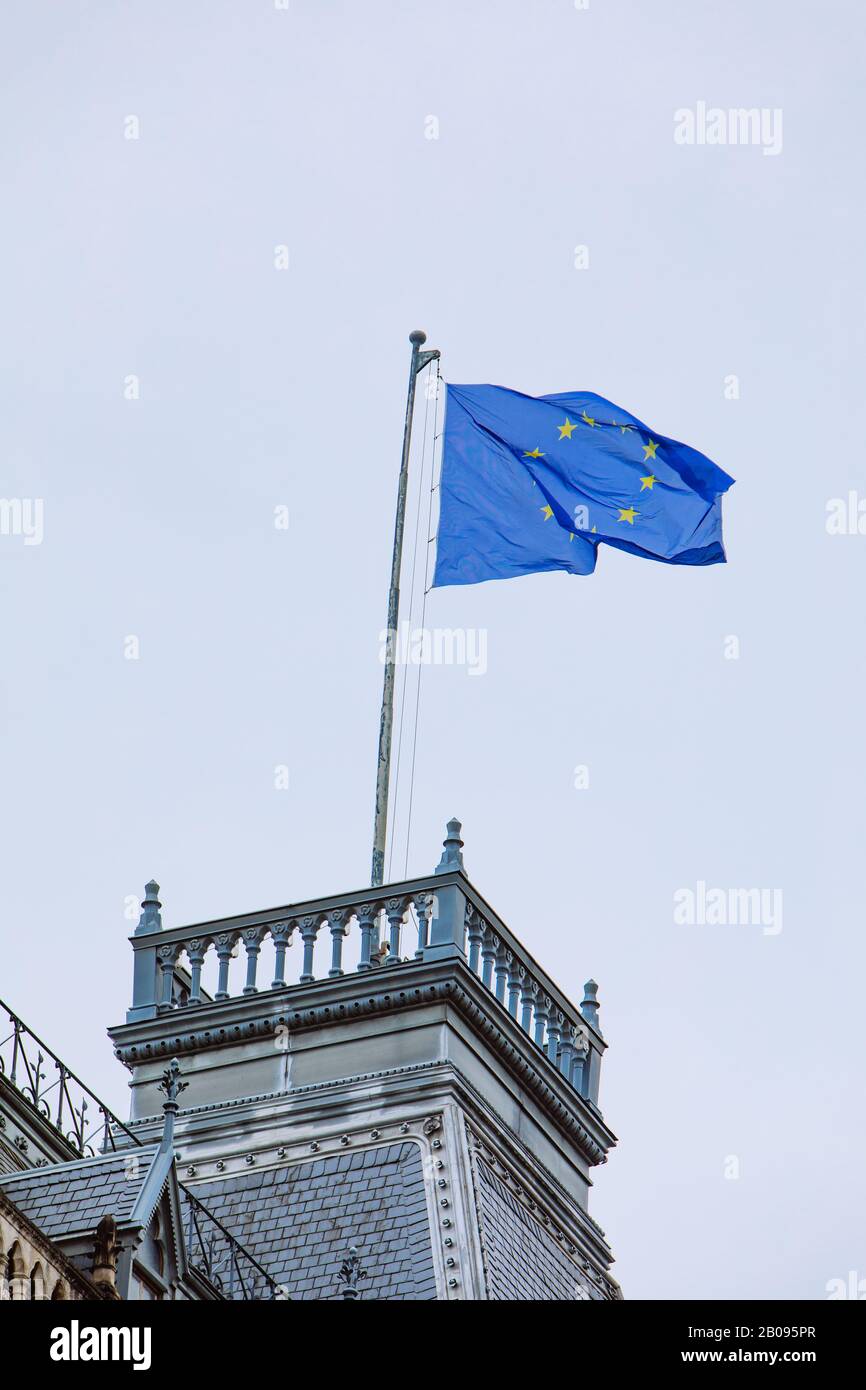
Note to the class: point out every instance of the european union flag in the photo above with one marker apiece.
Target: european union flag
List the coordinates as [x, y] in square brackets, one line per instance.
[539, 482]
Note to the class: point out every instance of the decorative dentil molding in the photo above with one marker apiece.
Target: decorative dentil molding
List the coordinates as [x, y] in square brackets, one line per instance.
[528, 1065]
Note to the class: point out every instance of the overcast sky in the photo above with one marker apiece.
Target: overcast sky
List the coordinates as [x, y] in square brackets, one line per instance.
[154, 258]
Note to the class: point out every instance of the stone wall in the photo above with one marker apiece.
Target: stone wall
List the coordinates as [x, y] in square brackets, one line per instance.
[30, 1266]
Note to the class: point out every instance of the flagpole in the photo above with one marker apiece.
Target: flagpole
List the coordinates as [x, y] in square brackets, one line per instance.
[383, 771]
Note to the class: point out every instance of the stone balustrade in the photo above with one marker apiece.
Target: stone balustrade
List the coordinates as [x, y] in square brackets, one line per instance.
[392, 928]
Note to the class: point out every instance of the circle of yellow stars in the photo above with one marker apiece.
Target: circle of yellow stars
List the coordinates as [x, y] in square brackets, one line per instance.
[566, 430]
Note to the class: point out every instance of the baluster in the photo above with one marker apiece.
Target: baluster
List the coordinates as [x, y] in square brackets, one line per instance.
[554, 1031]
[376, 947]
[514, 973]
[253, 941]
[542, 1010]
[581, 1053]
[337, 917]
[488, 955]
[281, 935]
[225, 945]
[309, 932]
[167, 957]
[528, 990]
[424, 910]
[474, 932]
[566, 1051]
[501, 969]
[367, 914]
[394, 910]
[196, 950]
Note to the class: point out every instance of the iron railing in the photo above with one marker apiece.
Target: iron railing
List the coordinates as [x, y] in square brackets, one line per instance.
[223, 1260]
[66, 1104]
[70, 1107]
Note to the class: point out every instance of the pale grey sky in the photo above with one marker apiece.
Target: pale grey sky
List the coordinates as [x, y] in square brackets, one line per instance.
[155, 257]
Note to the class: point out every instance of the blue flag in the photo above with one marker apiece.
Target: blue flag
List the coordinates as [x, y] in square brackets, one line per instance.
[535, 483]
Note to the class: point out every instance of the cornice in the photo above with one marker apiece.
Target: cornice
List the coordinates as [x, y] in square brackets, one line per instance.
[187, 1112]
[447, 982]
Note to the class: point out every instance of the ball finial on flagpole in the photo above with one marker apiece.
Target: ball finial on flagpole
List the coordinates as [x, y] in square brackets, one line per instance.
[418, 336]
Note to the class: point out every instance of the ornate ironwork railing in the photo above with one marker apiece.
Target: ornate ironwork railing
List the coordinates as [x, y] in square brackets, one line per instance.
[223, 1260]
[68, 1105]
[60, 1097]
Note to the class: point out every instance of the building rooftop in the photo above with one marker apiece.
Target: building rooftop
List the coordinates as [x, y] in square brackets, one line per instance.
[66, 1199]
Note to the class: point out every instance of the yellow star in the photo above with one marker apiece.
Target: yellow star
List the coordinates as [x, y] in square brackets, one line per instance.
[570, 537]
[649, 450]
[627, 514]
[626, 427]
[594, 529]
[647, 482]
[588, 420]
[566, 430]
[534, 454]
[548, 512]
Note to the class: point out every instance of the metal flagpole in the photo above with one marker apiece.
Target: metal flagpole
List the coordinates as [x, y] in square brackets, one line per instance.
[383, 771]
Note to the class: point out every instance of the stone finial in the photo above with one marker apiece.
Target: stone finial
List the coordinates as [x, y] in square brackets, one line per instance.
[150, 919]
[105, 1252]
[452, 857]
[350, 1273]
[171, 1086]
[589, 1005]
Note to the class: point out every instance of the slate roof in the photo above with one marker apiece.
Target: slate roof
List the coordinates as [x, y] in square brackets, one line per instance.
[66, 1199]
[299, 1221]
[523, 1262]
